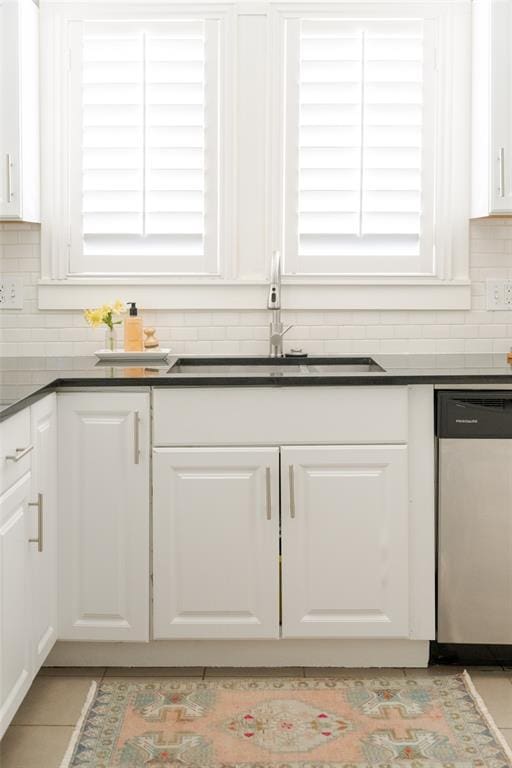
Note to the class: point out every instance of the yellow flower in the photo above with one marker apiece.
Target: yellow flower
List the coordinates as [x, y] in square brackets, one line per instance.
[104, 314]
[94, 316]
[118, 307]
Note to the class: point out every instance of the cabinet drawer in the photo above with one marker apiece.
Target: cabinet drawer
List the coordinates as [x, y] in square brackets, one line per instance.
[239, 416]
[14, 439]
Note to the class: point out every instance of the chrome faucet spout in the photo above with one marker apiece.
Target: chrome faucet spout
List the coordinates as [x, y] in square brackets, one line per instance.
[274, 293]
[277, 330]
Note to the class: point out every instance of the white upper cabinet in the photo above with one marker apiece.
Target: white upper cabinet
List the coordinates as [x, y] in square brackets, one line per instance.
[216, 542]
[43, 529]
[345, 541]
[492, 108]
[104, 525]
[19, 115]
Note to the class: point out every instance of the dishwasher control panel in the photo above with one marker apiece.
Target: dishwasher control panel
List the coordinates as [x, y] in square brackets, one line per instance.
[474, 414]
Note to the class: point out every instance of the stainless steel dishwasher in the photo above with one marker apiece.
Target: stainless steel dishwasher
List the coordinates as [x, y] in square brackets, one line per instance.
[474, 517]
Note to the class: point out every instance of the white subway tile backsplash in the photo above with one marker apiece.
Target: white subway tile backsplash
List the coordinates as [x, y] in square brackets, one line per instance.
[352, 332]
[238, 332]
[324, 332]
[226, 347]
[253, 347]
[209, 333]
[501, 345]
[33, 332]
[380, 331]
[436, 331]
[492, 331]
[449, 346]
[183, 333]
[339, 347]
[395, 346]
[490, 245]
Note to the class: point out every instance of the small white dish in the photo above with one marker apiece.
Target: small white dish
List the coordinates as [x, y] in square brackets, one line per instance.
[149, 355]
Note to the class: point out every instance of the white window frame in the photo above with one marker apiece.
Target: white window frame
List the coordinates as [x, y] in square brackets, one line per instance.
[450, 20]
[62, 263]
[251, 196]
[207, 263]
[347, 266]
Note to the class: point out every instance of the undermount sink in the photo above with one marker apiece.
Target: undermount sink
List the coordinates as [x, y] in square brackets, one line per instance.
[355, 365]
[273, 366]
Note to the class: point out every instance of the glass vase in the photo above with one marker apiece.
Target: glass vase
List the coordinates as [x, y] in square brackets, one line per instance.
[111, 339]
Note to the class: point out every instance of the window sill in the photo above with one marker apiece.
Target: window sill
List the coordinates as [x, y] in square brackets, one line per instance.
[298, 294]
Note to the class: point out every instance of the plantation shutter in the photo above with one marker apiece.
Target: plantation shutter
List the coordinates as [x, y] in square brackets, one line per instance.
[145, 110]
[359, 152]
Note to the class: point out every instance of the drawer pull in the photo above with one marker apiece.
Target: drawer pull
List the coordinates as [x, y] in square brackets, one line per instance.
[9, 179]
[136, 437]
[291, 479]
[39, 505]
[269, 493]
[501, 160]
[20, 454]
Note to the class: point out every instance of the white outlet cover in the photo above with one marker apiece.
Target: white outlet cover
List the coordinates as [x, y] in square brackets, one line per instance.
[11, 292]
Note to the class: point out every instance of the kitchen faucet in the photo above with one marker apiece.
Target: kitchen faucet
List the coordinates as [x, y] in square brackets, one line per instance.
[274, 304]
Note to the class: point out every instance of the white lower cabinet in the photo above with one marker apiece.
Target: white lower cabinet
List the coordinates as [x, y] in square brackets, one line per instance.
[43, 556]
[345, 541]
[15, 652]
[299, 540]
[104, 516]
[216, 542]
[28, 550]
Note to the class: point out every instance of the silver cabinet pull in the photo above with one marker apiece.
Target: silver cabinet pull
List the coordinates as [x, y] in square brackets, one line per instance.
[291, 480]
[136, 437]
[20, 454]
[9, 178]
[501, 190]
[269, 493]
[39, 505]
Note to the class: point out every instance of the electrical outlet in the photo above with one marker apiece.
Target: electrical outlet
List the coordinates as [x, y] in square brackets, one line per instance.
[11, 292]
[499, 294]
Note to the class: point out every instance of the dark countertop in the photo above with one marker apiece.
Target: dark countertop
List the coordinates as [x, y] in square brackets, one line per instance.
[23, 380]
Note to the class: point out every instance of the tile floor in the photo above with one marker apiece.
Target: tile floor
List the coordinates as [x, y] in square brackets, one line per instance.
[43, 725]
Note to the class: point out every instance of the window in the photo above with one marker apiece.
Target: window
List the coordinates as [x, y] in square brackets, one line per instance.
[359, 154]
[143, 130]
[183, 143]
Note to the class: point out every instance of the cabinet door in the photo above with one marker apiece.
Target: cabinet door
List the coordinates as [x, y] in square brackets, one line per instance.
[501, 106]
[10, 138]
[345, 541]
[43, 526]
[15, 657]
[104, 516]
[216, 542]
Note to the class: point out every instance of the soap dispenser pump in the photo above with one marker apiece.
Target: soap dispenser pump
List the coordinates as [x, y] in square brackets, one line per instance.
[133, 337]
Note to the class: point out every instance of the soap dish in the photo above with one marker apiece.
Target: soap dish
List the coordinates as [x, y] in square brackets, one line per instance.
[119, 355]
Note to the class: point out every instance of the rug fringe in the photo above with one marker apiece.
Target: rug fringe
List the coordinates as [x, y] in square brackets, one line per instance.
[66, 760]
[487, 716]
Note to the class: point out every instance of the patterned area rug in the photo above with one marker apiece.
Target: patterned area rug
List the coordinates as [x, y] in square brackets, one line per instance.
[428, 722]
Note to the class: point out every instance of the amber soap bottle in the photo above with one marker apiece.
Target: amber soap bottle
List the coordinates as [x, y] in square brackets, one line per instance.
[133, 337]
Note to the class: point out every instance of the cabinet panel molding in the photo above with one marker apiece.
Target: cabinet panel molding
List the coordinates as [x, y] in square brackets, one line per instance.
[345, 541]
[216, 542]
[277, 416]
[491, 107]
[15, 656]
[19, 117]
[104, 516]
[43, 562]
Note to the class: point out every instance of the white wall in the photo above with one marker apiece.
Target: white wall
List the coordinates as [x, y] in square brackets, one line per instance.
[32, 332]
